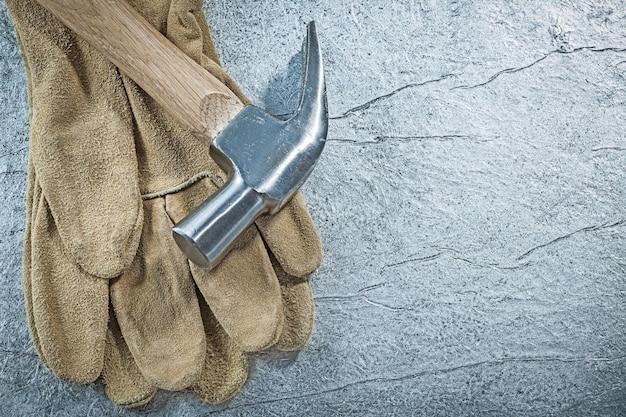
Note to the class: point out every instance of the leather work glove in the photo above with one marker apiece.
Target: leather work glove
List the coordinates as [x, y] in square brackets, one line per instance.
[107, 291]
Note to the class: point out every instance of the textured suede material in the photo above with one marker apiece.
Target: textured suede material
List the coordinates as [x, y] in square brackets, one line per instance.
[225, 365]
[33, 195]
[69, 330]
[293, 238]
[124, 383]
[299, 310]
[79, 142]
[98, 143]
[158, 311]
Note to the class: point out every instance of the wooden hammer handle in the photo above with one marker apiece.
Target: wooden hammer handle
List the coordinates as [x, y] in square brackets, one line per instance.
[187, 91]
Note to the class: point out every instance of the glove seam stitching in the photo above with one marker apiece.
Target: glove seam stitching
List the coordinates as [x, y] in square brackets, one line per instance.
[200, 176]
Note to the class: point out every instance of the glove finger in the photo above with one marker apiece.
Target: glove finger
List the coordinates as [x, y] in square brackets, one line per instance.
[225, 365]
[293, 238]
[244, 294]
[299, 310]
[123, 382]
[157, 309]
[243, 291]
[80, 142]
[69, 306]
[33, 195]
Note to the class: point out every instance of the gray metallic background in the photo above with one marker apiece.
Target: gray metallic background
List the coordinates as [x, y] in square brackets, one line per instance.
[471, 201]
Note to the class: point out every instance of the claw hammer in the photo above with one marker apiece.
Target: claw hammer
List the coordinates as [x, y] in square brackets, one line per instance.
[266, 159]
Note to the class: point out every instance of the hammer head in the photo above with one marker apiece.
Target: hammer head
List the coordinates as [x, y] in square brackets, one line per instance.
[267, 160]
[274, 157]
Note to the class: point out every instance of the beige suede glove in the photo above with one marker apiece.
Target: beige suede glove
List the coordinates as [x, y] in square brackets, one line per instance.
[109, 174]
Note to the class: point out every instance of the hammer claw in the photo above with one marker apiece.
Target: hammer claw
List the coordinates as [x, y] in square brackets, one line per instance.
[313, 109]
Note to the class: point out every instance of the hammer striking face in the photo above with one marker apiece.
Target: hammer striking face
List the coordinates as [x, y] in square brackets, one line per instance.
[266, 159]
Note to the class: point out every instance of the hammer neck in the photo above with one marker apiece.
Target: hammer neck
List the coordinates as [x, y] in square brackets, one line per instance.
[207, 234]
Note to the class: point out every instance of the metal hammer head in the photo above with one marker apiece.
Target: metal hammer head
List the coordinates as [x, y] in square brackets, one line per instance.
[267, 160]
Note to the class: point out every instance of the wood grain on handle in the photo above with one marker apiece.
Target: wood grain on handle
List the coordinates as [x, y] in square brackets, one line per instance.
[185, 89]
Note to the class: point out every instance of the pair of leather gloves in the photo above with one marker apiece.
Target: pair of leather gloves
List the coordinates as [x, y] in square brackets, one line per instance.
[107, 291]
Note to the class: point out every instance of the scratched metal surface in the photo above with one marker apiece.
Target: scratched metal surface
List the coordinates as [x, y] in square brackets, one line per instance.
[471, 201]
